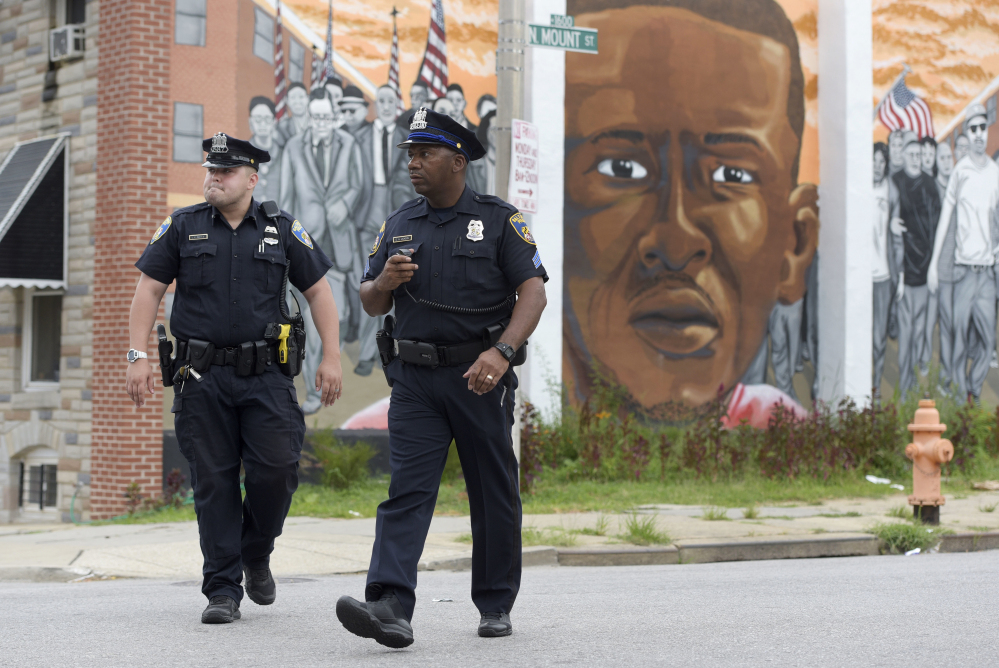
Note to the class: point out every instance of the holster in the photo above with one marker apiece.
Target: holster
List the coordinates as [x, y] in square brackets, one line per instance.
[491, 336]
[200, 354]
[386, 346]
[296, 350]
[165, 348]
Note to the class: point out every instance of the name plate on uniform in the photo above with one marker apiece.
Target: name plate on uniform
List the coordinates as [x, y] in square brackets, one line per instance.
[397, 240]
[196, 237]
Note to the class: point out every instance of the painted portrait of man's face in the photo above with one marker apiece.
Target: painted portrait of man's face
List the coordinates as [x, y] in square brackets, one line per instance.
[684, 221]
[386, 105]
[261, 121]
[961, 147]
[879, 167]
[321, 119]
[457, 100]
[945, 159]
[298, 101]
[418, 96]
[929, 156]
[896, 141]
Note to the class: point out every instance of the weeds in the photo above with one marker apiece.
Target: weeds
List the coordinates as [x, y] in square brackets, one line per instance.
[751, 513]
[553, 536]
[852, 513]
[901, 537]
[988, 507]
[715, 513]
[901, 512]
[644, 531]
[344, 466]
[599, 530]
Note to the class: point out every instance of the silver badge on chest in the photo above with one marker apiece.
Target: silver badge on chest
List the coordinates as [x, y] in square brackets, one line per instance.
[475, 230]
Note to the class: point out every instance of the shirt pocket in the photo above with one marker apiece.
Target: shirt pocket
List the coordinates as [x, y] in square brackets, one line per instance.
[473, 266]
[268, 268]
[197, 264]
[416, 257]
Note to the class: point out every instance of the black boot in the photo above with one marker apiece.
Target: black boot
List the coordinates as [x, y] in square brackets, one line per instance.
[259, 585]
[220, 610]
[495, 625]
[382, 620]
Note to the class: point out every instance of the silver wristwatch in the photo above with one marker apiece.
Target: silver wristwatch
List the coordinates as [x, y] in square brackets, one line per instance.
[134, 354]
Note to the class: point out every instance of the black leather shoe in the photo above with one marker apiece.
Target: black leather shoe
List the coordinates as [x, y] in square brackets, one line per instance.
[381, 620]
[260, 586]
[220, 610]
[495, 625]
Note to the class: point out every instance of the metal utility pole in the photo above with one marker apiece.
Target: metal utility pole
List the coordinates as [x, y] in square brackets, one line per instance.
[509, 83]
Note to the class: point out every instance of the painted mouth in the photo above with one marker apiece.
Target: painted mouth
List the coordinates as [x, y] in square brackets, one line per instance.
[676, 321]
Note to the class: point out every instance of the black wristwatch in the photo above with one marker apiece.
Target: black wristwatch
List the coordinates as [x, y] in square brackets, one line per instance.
[506, 350]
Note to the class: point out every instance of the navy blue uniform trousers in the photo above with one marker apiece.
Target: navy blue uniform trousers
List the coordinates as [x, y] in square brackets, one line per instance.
[222, 422]
[429, 407]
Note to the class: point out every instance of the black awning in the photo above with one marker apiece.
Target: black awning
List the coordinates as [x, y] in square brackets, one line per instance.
[33, 214]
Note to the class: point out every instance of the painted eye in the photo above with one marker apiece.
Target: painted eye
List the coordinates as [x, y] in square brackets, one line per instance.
[622, 169]
[726, 174]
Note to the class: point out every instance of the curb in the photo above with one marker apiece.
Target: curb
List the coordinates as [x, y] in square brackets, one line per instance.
[804, 548]
[532, 556]
[969, 542]
[44, 574]
[618, 556]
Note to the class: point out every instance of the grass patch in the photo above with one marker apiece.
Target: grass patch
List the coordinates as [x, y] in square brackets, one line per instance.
[779, 517]
[715, 514]
[554, 536]
[169, 514]
[599, 530]
[464, 538]
[900, 537]
[901, 512]
[852, 513]
[750, 513]
[988, 507]
[644, 531]
[819, 530]
[980, 529]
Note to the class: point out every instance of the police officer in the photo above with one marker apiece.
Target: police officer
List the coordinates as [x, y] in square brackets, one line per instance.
[229, 256]
[453, 263]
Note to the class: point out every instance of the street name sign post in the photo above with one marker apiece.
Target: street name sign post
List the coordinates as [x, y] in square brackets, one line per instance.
[563, 34]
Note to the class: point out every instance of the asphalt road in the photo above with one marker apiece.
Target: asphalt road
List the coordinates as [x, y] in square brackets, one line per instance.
[928, 610]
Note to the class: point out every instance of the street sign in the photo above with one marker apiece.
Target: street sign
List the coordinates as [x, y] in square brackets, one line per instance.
[563, 34]
[523, 188]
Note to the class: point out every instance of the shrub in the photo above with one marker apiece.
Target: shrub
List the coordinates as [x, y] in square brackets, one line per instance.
[900, 537]
[343, 465]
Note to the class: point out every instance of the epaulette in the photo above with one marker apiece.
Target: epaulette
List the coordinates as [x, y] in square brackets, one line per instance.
[493, 199]
[200, 206]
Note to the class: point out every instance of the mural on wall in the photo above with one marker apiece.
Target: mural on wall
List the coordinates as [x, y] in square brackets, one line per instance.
[936, 187]
[331, 126]
[691, 216]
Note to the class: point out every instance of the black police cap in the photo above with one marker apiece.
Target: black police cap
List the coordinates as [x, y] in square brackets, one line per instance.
[429, 127]
[226, 151]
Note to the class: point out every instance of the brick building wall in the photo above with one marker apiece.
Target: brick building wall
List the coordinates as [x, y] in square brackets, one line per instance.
[37, 99]
[133, 149]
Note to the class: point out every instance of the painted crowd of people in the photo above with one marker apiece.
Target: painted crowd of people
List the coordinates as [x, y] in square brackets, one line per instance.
[341, 175]
[936, 246]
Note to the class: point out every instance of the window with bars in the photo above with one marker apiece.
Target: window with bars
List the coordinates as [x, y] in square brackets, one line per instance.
[38, 487]
[188, 132]
[263, 35]
[190, 22]
[296, 62]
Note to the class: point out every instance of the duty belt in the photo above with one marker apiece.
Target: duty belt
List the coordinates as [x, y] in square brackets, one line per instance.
[433, 355]
[264, 354]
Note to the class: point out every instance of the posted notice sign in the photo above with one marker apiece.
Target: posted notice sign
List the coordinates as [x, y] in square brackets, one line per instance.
[523, 192]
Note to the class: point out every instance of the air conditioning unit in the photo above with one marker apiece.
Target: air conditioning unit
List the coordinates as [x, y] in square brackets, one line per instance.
[66, 42]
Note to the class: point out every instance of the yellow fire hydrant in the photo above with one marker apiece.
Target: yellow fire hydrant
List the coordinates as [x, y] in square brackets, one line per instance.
[927, 452]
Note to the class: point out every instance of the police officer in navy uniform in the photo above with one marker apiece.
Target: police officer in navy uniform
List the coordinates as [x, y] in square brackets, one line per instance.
[453, 263]
[229, 258]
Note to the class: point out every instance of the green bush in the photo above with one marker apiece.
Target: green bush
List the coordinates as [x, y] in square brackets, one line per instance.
[343, 466]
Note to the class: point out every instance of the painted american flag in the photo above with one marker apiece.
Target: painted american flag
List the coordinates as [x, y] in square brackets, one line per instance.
[328, 71]
[280, 84]
[317, 69]
[903, 109]
[433, 71]
[393, 79]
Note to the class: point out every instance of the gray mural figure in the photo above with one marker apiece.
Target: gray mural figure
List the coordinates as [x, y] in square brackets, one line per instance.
[884, 265]
[263, 129]
[419, 96]
[896, 140]
[973, 194]
[320, 185]
[296, 102]
[915, 212]
[456, 96]
[386, 188]
[928, 155]
[482, 173]
[945, 272]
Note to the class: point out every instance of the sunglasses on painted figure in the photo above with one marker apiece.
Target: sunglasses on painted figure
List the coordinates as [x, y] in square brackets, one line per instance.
[979, 127]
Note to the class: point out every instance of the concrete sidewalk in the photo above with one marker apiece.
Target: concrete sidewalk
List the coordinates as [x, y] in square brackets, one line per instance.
[313, 546]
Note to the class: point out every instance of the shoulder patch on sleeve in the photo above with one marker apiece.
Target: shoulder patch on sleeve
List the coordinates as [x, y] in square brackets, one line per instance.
[161, 230]
[378, 240]
[301, 234]
[517, 220]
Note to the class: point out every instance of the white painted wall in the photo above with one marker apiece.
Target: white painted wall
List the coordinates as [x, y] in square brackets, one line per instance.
[545, 107]
[846, 199]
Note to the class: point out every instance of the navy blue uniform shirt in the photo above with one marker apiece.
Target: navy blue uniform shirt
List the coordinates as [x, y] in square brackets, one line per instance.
[474, 258]
[229, 281]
